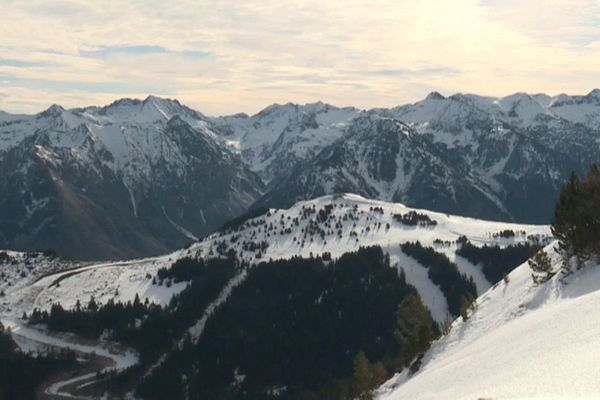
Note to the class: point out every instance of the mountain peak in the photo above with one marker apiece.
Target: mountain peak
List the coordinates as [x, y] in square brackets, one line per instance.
[160, 100]
[594, 94]
[53, 111]
[317, 106]
[435, 96]
[460, 97]
[125, 101]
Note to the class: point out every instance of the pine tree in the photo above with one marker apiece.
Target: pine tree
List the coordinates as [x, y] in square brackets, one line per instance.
[92, 305]
[591, 199]
[447, 325]
[414, 328]
[366, 376]
[541, 265]
[379, 373]
[362, 376]
[467, 304]
[565, 221]
[576, 222]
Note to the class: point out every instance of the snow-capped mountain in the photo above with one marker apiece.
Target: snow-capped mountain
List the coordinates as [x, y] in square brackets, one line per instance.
[496, 158]
[140, 177]
[523, 340]
[132, 178]
[383, 158]
[280, 136]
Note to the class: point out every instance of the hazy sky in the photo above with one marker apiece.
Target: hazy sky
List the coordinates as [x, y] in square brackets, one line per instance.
[231, 56]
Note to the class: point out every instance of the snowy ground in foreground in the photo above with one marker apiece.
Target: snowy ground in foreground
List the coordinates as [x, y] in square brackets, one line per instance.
[523, 341]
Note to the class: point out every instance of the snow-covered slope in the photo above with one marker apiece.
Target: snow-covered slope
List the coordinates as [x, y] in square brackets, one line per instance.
[106, 125]
[332, 224]
[354, 221]
[273, 141]
[581, 109]
[522, 341]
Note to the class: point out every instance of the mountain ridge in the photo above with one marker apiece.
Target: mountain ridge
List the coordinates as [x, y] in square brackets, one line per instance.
[134, 171]
[493, 158]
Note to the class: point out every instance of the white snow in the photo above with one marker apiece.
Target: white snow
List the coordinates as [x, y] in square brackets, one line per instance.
[430, 293]
[198, 328]
[523, 341]
[119, 281]
[288, 131]
[37, 340]
[180, 228]
[370, 229]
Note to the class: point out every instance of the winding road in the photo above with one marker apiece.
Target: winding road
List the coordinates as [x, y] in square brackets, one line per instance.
[96, 356]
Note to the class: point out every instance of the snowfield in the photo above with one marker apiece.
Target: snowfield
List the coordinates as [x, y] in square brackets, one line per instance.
[523, 341]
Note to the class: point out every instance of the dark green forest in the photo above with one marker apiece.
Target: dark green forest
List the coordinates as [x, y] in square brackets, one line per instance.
[21, 374]
[294, 328]
[443, 273]
[495, 261]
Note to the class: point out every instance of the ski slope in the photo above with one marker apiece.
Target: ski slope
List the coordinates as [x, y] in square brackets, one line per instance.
[523, 341]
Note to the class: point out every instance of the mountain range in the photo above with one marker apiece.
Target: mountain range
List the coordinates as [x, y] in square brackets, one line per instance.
[130, 179]
[140, 177]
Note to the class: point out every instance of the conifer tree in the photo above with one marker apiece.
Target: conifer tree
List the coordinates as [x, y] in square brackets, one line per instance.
[541, 267]
[565, 219]
[362, 376]
[467, 304]
[92, 305]
[576, 221]
[414, 328]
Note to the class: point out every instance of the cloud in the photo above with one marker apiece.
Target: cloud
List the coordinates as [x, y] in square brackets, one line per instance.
[7, 62]
[118, 88]
[107, 51]
[230, 56]
[429, 71]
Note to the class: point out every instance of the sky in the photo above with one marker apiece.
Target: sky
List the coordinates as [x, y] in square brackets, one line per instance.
[229, 56]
